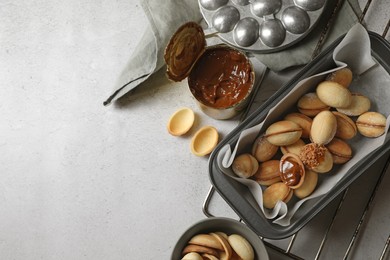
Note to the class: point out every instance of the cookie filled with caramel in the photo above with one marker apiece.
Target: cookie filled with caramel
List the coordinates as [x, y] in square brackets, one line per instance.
[292, 170]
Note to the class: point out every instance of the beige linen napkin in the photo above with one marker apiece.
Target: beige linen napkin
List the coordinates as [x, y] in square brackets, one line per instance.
[166, 16]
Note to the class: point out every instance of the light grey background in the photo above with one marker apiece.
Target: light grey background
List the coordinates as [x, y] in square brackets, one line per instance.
[83, 181]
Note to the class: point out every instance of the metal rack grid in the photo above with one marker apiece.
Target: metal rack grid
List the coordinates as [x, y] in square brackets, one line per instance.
[287, 252]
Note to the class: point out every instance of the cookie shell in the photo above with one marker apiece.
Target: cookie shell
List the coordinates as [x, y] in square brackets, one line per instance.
[341, 151]
[192, 256]
[346, 127]
[294, 148]
[333, 94]
[308, 185]
[326, 165]
[225, 244]
[283, 133]
[204, 141]
[209, 257]
[310, 105]
[342, 76]
[371, 124]
[242, 247]
[268, 173]
[276, 192]
[245, 165]
[263, 150]
[359, 105]
[200, 250]
[206, 240]
[303, 121]
[323, 128]
[181, 121]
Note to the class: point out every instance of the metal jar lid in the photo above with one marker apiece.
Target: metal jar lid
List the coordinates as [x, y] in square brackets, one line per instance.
[183, 50]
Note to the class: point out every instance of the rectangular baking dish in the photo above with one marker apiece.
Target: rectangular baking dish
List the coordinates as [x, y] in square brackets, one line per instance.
[238, 196]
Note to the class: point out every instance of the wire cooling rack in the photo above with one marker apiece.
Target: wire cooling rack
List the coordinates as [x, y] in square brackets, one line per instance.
[340, 218]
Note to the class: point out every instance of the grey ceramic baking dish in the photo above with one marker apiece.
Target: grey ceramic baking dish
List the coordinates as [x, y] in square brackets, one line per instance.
[239, 197]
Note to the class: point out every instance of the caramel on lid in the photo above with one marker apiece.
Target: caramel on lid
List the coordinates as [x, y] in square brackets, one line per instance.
[183, 49]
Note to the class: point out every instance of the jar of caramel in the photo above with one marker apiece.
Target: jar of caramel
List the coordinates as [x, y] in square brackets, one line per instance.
[220, 77]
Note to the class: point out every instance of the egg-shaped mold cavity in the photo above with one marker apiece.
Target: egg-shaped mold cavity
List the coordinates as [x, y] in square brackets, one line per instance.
[272, 32]
[241, 2]
[225, 18]
[310, 5]
[246, 32]
[295, 20]
[262, 8]
[212, 4]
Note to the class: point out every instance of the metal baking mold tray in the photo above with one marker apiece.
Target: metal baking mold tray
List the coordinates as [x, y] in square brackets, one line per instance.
[238, 196]
[262, 25]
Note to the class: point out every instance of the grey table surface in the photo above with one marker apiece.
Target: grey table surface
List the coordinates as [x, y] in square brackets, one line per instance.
[82, 181]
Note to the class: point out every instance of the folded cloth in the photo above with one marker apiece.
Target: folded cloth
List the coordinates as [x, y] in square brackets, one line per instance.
[165, 18]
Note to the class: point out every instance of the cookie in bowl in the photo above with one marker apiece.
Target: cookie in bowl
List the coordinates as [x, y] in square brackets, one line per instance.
[219, 238]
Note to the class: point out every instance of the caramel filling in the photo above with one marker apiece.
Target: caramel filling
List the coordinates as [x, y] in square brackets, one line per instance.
[221, 78]
[291, 172]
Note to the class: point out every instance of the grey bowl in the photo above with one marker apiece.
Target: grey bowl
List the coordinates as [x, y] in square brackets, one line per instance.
[226, 225]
